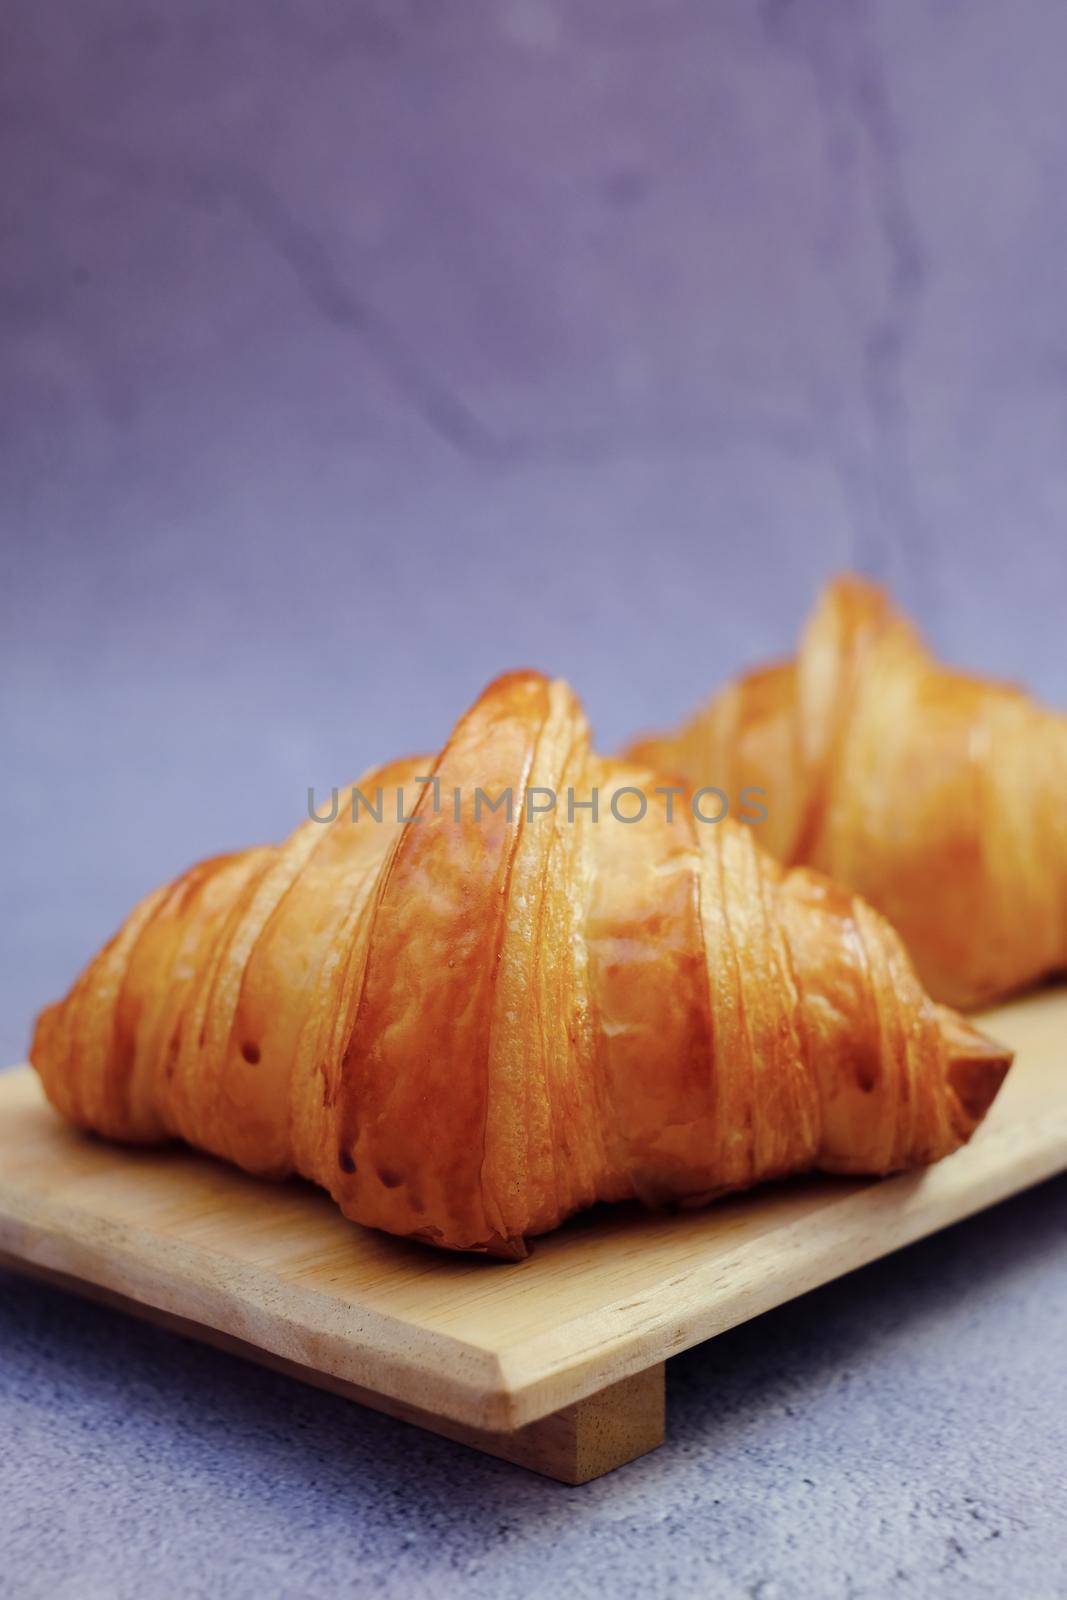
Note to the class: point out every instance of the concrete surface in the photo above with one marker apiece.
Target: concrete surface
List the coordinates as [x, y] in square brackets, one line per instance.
[352, 352]
[902, 1432]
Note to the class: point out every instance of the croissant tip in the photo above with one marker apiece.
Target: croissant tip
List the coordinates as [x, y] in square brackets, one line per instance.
[643, 748]
[977, 1064]
[512, 1248]
[859, 585]
[43, 1032]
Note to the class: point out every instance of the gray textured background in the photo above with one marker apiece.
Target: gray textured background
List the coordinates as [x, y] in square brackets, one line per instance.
[350, 353]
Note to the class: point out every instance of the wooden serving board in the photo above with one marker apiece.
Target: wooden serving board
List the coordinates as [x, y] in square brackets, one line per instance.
[557, 1361]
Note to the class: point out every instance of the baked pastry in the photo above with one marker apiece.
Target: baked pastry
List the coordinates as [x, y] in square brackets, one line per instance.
[938, 797]
[468, 1025]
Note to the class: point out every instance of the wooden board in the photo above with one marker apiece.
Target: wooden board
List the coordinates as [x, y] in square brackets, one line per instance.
[556, 1361]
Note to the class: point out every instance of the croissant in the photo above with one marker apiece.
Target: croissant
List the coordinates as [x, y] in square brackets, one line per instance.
[472, 1013]
[936, 796]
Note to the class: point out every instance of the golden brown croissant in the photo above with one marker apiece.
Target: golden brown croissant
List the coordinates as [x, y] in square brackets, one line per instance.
[467, 1029]
[942, 799]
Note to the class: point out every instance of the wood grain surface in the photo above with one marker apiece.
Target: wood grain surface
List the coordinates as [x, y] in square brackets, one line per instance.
[465, 1344]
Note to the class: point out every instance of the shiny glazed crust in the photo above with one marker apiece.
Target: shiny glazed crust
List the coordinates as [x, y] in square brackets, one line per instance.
[468, 1029]
[938, 797]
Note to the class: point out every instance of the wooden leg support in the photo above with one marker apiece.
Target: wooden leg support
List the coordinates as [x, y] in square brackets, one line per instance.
[575, 1445]
[582, 1441]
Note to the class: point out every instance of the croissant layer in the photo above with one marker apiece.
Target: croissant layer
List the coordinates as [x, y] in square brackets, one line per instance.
[936, 796]
[478, 1000]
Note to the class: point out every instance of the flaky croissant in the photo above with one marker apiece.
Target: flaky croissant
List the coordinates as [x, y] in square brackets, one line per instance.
[467, 1029]
[940, 798]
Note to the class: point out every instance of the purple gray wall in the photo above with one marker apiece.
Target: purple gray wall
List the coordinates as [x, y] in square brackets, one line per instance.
[352, 353]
